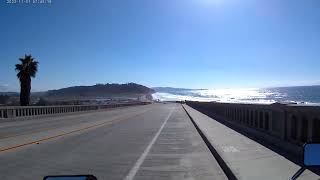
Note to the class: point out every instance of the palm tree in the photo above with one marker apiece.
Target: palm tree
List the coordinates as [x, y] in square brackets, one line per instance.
[27, 69]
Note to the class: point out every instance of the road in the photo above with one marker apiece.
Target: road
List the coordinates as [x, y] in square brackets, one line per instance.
[156, 141]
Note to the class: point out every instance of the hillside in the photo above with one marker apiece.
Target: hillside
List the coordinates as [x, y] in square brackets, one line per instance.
[101, 90]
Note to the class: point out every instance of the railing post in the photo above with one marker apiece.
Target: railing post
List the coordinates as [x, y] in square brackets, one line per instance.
[11, 113]
[310, 128]
[299, 128]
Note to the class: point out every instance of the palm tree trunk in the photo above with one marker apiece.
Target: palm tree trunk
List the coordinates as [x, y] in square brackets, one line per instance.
[25, 85]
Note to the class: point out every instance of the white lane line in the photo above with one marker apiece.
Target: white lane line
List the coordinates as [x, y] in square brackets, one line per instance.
[143, 156]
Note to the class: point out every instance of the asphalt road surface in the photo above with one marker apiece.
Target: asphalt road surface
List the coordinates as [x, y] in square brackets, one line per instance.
[155, 141]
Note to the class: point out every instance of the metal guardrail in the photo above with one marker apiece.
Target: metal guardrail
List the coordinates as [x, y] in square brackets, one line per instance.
[26, 111]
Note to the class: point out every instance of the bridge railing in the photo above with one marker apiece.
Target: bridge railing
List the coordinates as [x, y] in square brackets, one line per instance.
[26, 111]
[297, 124]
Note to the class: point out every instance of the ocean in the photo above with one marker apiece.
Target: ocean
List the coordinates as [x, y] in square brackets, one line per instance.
[298, 94]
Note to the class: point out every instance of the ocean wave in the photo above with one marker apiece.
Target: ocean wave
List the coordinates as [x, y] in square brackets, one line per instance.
[249, 95]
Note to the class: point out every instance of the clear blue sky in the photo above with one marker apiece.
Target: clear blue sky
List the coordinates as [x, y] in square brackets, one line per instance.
[179, 43]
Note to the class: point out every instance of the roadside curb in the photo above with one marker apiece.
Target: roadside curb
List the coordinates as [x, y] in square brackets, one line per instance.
[213, 151]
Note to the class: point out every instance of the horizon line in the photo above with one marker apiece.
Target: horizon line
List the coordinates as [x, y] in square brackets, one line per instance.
[169, 87]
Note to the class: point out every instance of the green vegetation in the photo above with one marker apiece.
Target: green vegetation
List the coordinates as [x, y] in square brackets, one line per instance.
[101, 90]
[26, 70]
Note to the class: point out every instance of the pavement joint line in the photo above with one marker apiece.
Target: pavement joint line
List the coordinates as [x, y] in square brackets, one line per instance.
[70, 132]
[226, 169]
[132, 173]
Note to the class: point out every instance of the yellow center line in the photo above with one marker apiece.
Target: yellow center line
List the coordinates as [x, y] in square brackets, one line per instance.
[118, 119]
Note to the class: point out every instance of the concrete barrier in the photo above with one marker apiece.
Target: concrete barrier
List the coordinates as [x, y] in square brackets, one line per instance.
[278, 123]
[26, 111]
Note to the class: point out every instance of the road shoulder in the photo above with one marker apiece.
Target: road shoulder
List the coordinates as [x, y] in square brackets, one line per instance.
[180, 153]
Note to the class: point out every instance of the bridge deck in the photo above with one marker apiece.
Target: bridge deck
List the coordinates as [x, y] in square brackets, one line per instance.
[144, 142]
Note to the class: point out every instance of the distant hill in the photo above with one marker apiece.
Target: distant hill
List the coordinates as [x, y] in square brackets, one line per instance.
[101, 90]
[9, 94]
[17, 94]
[83, 94]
